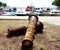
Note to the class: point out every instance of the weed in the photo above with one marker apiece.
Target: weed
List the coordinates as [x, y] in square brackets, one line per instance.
[42, 47]
[52, 39]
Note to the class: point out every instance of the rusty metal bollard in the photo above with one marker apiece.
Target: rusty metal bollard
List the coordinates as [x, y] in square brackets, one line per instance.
[28, 40]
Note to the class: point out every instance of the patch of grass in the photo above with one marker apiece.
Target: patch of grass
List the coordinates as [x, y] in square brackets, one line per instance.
[58, 44]
[48, 24]
[55, 33]
[52, 31]
[48, 30]
[42, 47]
[9, 46]
[5, 24]
[52, 39]
[1, 27]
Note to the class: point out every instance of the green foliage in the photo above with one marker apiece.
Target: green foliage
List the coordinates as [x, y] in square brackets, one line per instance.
[3, 4]
[56, 2]
[42, 47]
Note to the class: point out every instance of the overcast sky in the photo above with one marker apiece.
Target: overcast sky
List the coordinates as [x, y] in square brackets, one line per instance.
[24, 3]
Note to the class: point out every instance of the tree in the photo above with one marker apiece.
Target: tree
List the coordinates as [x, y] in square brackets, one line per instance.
[56, 2]
[3, 4]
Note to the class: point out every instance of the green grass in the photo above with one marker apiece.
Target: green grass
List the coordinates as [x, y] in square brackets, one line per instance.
[52, 39]
[52, 31]
[42, 47]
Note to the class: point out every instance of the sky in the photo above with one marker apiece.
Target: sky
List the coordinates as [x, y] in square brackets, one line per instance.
[24, 3]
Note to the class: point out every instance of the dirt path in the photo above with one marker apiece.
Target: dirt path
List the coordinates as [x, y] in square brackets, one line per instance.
[49, 39]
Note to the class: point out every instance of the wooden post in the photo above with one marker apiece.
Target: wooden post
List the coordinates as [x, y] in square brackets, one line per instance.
[28, 40]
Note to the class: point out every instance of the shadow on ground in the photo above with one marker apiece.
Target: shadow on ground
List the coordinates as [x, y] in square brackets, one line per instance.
[26, 47]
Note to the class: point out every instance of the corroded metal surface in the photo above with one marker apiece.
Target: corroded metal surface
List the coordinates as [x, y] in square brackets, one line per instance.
[28, 40]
